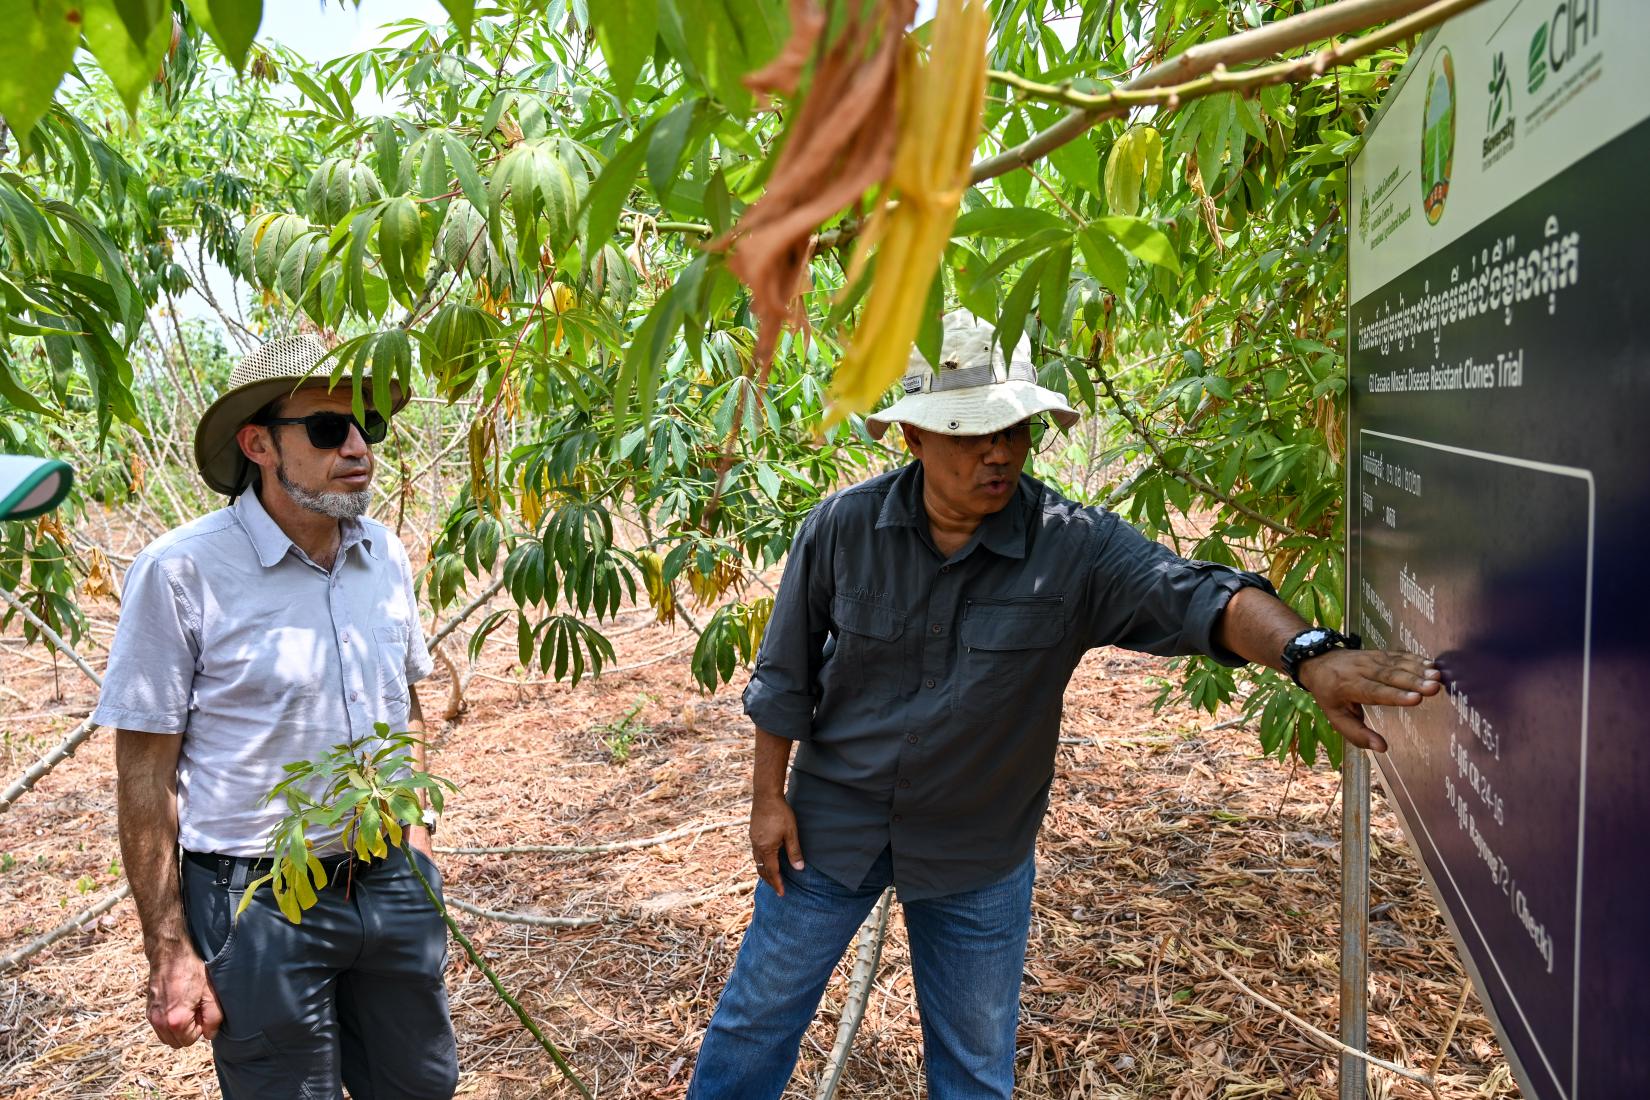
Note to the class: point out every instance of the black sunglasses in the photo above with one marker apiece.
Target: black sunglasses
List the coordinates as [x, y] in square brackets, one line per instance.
[328, 430]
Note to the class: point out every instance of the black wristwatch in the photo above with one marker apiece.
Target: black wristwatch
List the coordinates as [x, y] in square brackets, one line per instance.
[1312, 642]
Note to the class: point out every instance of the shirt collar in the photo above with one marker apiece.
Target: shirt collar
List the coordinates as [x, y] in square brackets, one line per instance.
[1003, 532]
[271, 544]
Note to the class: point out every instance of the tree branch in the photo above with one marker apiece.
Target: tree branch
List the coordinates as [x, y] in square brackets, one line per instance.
[866, 957]
[1168, 83]
[67, 928]
[1317, 1035]
[1181, 472]
[36, 771]
[594, 849]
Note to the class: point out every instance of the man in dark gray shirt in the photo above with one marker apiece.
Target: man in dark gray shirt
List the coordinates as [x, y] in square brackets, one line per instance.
[927, 625]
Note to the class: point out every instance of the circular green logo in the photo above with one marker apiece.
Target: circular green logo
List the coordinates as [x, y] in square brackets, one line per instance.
[1438, 136]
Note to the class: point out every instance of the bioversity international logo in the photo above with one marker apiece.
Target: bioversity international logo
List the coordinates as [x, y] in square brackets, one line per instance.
[1499, 125]
[1438, 136]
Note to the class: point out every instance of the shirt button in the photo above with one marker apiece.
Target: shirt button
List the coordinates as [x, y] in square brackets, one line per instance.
[935, 628]
[928, 682]
[911, 738]
[344, 637]
[904, 783]
[355, 696]
[898, 819]
[945, 569]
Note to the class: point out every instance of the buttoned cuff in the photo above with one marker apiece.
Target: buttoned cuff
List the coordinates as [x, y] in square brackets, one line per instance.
[1216, 589]
[787, 714]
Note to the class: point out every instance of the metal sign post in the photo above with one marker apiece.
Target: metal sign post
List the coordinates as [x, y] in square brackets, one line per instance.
[1354, 921]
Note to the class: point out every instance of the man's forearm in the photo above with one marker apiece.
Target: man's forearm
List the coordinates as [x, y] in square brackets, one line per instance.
[1256, 625]
[773, 755]
[147, 795]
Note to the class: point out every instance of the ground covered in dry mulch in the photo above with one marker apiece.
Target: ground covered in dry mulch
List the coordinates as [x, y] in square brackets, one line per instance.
[1162, 834]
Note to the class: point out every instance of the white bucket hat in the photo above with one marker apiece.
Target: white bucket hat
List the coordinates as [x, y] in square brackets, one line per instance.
[274, 370]
[32, 486]
[975, 392]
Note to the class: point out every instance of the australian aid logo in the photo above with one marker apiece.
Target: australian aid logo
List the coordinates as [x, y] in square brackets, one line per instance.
[1438, 137]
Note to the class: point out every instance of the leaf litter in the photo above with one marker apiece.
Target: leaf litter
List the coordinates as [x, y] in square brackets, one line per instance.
[1160, 834]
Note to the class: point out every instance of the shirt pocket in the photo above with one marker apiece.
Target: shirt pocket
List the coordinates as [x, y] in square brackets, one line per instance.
[1012, 637]
[868, 644]
[392, 663]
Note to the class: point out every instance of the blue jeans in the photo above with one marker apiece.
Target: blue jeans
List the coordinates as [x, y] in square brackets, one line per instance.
[967, 951]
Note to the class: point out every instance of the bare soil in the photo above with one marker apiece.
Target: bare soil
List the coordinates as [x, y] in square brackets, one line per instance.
[1163, 837]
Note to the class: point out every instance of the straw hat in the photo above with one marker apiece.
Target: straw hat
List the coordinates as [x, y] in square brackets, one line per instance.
[975, 391]
[272, 371]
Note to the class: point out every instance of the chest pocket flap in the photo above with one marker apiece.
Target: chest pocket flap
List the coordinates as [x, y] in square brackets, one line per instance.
[874, 620]
[1034, 622]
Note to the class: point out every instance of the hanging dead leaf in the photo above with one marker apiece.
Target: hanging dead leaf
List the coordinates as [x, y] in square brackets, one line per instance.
[839, 143]
[482, 442]
[99, 577]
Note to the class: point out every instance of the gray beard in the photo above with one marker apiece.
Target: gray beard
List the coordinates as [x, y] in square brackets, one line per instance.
[337, 505]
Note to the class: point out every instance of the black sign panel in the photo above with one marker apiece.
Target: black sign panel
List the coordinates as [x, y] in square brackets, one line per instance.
[1499, 521]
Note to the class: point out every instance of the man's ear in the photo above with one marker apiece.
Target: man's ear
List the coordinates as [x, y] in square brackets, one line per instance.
[913, 439]
[257, 443]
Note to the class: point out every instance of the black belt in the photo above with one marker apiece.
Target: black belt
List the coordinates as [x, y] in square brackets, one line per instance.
[245, 869]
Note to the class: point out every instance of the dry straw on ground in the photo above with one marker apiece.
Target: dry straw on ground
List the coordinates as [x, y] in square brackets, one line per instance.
[1162, 837]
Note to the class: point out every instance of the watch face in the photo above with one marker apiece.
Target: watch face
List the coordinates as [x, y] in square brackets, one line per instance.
[1312, 637]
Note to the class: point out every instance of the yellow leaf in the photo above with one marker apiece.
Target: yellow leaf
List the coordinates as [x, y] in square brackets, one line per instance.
[660, 595]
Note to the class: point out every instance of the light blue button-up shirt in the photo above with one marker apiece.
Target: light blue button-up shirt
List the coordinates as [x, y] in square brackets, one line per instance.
[231, 636]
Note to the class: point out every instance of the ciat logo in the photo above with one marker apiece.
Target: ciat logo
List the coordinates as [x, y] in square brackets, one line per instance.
[1573, 26]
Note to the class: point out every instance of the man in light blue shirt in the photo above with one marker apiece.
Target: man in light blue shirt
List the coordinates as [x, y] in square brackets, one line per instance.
[261, 634]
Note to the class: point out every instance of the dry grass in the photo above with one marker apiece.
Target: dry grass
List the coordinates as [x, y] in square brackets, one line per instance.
[1159, 835]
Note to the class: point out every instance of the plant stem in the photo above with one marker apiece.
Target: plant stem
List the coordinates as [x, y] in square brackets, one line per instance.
[498, 986]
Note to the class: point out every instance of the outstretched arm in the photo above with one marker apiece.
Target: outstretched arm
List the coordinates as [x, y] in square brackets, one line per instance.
[1257, 625]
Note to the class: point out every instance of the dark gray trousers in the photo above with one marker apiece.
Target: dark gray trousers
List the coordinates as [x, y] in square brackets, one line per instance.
[353, 997]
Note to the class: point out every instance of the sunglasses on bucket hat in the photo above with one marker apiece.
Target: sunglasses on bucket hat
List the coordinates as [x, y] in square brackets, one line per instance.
[328, 430]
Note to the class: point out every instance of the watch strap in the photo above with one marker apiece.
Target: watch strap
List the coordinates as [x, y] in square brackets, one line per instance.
[1314, 642]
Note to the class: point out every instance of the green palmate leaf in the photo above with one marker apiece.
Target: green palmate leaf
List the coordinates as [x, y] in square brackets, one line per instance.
[462, 13]
[36, 46]
[1012, 222]
[541, 178]
[1051, 294]
[1011, 320]
[625, 30]
[1105, 261]
[401, 248]
[464, 167]
[339, 186]
[140, 17]
[458, 346]
[264, 244]
[608, 194]
[664, 150]
[232, 24]
[1140, 238]
[15, 392]
[391, 362]
[1079, 162]
[129, 55]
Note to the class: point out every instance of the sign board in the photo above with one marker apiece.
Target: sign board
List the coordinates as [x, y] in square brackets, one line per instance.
[1499, 510]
